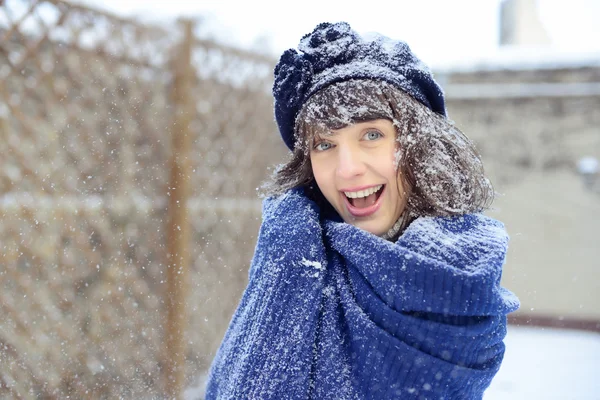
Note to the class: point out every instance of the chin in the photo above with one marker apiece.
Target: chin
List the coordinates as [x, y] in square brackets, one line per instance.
[369, 226]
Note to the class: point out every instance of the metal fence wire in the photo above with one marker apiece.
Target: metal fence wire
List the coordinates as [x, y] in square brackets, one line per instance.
[88, 101]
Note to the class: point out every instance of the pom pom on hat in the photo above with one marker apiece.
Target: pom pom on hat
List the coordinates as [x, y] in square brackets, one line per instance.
[333, 53]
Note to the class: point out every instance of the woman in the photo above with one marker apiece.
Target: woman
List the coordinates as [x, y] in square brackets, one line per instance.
[375, 276]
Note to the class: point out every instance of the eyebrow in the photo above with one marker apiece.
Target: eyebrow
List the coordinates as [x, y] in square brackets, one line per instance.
[317, 135]
[329, 133]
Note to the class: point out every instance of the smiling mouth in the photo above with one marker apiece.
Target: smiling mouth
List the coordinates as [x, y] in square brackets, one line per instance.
[364, 198]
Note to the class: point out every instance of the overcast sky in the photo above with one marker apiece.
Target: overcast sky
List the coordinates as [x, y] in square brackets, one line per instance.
[439, 31]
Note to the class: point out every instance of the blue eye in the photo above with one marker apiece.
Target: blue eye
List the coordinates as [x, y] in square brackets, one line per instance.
[322, 146]
[373, 135]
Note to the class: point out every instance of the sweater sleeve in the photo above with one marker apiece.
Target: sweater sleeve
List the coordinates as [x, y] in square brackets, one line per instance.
[437, 292]
[457, 356]
[267, 350]
[447, 266]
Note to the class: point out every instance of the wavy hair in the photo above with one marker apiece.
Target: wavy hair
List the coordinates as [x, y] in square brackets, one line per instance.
[438, 164]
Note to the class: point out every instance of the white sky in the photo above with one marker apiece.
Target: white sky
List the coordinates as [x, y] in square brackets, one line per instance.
[439, 31]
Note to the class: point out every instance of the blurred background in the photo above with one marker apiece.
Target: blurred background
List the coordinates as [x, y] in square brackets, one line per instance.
[134, 137]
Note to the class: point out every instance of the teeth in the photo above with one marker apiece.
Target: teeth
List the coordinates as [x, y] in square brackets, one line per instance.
[363, 193]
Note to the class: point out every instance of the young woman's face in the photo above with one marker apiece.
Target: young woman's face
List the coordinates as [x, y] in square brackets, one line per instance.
[355, 170]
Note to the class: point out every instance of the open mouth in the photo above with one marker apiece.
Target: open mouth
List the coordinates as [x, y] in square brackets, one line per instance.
[366, 198]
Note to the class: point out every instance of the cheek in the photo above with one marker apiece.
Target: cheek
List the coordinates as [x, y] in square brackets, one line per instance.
[320, 175]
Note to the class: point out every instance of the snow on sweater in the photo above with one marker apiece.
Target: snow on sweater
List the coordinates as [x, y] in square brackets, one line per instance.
[334, 312]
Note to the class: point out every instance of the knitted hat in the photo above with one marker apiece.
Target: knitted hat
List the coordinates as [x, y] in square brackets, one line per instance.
[334, 53]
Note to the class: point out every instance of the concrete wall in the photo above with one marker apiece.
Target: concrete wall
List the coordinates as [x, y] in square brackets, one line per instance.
[530, 145]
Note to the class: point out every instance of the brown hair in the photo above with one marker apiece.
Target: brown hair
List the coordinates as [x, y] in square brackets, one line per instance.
[437, 163]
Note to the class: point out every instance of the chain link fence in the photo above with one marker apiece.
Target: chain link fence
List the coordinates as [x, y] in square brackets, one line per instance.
[87, 109]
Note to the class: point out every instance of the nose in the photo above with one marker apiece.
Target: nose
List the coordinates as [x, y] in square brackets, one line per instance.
[350, 162]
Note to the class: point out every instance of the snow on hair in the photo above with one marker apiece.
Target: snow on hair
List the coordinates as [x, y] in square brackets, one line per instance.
[437, 162]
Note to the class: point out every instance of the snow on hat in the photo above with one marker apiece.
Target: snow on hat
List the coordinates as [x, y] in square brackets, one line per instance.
[334, 53]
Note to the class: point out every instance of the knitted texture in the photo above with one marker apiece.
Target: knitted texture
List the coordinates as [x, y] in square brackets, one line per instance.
[334, 312]
[334, 53]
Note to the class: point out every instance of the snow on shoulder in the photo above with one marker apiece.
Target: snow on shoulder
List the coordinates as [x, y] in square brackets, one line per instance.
[470, 240]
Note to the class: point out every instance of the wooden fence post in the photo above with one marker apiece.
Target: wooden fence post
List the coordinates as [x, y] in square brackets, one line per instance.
[178, 229]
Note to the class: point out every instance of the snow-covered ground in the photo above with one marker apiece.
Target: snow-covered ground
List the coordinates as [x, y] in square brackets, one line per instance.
[540, 363]
[543, 363]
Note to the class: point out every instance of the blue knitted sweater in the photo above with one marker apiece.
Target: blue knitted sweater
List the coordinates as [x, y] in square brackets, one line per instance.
[334, 312]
